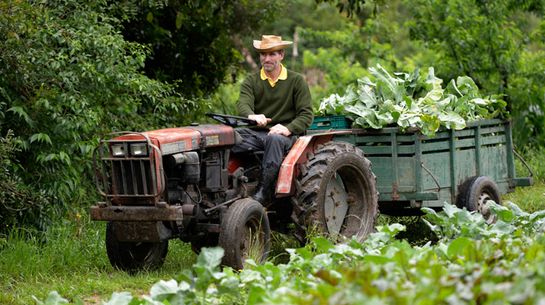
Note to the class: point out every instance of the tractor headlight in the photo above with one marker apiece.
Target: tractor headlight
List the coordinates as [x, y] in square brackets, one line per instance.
[139, 149]
[118, 150]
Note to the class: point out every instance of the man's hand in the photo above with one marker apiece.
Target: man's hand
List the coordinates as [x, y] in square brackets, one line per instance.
[280, 129]
[261, 119]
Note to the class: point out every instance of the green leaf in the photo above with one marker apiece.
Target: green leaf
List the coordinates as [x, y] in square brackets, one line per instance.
[322, 244]
[52, 299]
[40, 138]
[460, 247]
[210, 257]
[163, 289]
[377, 259]
[504, 214]
[386, 99]
[149, 17]
[22, 114]
[179, 19]
[120, 298]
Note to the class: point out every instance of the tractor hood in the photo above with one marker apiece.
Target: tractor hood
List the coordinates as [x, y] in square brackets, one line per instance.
[180, 139]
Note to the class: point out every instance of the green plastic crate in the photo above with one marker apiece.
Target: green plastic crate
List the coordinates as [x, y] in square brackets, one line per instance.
[331, 122]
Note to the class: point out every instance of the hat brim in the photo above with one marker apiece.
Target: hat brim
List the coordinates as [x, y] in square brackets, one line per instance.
[276, 47]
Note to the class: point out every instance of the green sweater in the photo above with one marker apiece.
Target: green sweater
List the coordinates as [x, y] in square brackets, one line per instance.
[287, 103]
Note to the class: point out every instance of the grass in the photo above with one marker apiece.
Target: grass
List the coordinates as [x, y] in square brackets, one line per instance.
[530, 199]
[72, 260]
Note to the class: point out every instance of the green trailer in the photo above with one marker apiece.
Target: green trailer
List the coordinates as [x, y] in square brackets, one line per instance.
[457, 166]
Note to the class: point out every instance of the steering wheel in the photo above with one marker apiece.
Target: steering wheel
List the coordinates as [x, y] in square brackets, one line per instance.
[231, 120]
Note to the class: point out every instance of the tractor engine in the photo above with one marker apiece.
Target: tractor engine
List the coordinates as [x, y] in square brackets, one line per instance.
[174, 179]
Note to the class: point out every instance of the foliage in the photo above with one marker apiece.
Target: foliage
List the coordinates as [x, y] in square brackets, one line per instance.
[20, 205]
[340, 71]
[494, 43]
[412, 100]
[531, 197]
[342, 53]
[194, 44]
[498, 44]
[68, 76]
[355, 7]
[535, 159]
[472, 261]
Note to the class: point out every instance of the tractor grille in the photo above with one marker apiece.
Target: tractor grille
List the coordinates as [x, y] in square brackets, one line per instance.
[125, 178]
[132, 177]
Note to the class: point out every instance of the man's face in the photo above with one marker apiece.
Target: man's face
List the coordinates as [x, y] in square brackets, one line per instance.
[271, 60]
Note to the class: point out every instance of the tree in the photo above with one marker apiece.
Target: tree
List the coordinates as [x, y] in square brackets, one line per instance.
[497, 43]
[492, 42]
[195, 44]
[68, 76]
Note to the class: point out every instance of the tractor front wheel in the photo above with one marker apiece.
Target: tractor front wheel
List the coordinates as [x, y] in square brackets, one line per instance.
[134, 256]
[245, 233]
[336, 192]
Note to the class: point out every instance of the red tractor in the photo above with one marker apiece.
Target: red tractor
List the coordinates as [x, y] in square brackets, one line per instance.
[186, 183]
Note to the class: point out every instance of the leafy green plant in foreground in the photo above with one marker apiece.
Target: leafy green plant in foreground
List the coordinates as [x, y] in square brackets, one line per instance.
[412, 100]
[472, 262]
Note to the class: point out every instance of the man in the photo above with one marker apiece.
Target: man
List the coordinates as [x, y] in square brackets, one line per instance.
[279, 101]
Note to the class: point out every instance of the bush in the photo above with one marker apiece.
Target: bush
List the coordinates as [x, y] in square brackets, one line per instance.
[69, 76]
[20, 205]
[534, 157]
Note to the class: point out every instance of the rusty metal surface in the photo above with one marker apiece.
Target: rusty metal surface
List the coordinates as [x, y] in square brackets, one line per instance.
[215, 135]
[170, 140]
[129, 176]
[141, 231]
[139, 213]
[395, 195]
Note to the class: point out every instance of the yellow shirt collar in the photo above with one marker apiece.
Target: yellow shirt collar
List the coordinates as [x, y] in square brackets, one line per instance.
[283, 75]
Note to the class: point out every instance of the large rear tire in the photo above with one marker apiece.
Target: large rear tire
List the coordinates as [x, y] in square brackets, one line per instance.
[336, 192]
[134, 256]
[245, 233]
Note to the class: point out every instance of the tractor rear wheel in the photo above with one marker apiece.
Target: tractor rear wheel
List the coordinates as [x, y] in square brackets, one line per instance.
[336, 192]
[245, 233]
[134, 256]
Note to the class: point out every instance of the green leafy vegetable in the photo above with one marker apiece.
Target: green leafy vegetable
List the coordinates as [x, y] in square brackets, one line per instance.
[471, 262]
[412, 100]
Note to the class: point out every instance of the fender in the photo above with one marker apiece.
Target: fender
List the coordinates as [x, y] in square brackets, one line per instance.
[299, 154]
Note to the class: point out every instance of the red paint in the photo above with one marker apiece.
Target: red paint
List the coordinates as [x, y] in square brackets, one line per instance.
[165, 136]
[233, 164]
[297, 155]
[287, 169]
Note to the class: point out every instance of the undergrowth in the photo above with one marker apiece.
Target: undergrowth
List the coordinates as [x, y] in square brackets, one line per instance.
[70, 257]
[471, 262]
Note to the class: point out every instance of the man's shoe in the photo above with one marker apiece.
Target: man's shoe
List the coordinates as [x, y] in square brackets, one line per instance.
[266, 186]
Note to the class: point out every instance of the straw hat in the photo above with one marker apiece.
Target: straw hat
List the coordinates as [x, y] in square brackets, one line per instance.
[269, 43]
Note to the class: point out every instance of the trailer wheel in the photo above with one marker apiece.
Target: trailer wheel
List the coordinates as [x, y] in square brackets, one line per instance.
[336, 192]
[475, 192]
[134, 256]
[245, 233]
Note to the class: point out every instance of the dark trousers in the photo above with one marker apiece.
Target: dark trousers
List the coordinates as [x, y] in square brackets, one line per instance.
[274, 147]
